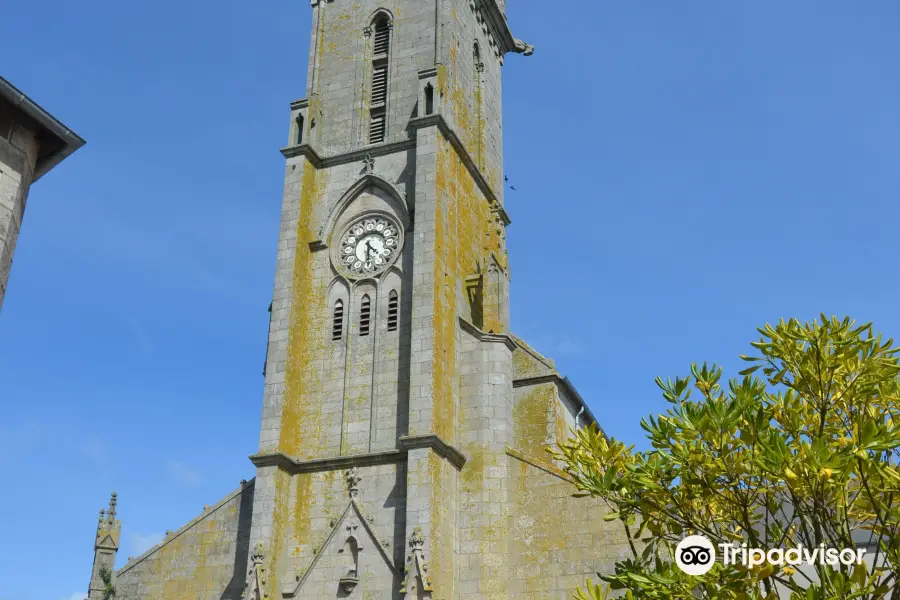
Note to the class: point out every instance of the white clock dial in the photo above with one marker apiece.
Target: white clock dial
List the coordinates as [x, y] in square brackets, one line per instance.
[369, 246]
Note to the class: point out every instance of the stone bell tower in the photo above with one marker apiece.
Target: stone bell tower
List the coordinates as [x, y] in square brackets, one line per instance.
[401, 452]
[389, 380]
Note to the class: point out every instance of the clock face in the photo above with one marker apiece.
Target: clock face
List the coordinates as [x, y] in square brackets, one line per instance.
[369, 246]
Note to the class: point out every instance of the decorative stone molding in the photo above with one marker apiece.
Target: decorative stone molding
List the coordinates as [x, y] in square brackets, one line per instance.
[358, 526]
[353, 480]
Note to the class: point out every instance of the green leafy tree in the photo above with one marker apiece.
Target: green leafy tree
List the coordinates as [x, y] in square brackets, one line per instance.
[801, 449]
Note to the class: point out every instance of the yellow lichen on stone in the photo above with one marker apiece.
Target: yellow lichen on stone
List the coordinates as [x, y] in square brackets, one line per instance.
[301, 420]
[534, 420]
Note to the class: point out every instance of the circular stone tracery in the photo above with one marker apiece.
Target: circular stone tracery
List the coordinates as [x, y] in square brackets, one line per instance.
[369, 246]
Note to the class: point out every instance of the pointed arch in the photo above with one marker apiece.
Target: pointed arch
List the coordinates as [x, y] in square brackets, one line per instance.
[391, 195]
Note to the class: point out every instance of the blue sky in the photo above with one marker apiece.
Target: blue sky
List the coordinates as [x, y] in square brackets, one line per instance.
[685, 172]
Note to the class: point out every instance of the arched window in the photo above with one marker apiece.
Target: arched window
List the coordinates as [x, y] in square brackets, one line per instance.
[299, 129]
[365, 313]
[393, 310]
[337, 321]
[378, 96]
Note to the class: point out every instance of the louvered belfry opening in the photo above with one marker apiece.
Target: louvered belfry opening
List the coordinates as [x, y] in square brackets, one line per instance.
[382, 36]
[337, 322]
[393, 311]
[365, 313]
[378, 99]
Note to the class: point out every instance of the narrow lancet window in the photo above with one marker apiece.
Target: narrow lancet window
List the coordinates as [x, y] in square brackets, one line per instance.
[393, 311]
[378, 96]
[365, 313]
[337, 321]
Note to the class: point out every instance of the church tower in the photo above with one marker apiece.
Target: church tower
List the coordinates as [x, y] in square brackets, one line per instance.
[401, 452]
[389, 352]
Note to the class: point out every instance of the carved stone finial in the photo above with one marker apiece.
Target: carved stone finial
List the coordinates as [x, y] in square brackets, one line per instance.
[523, 48]
[417, 539]
[353, 480]
[102, 515]
[369, 163]
[417, 580]
[255, 589]
[113, 501]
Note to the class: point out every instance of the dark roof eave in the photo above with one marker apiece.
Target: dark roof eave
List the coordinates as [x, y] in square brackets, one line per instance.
[69, 139]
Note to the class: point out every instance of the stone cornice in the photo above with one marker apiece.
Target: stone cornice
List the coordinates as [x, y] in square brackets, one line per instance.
[318, 161]
[433, 441]
[292, 465]
[500, 338]
[450, 135]
[499, 26]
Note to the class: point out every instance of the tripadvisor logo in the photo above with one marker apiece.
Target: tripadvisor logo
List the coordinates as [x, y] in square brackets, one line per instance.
[695, 555]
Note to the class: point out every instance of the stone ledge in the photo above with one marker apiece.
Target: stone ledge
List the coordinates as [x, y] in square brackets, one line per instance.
[433, 441]
[482, 336]
[292, 465]
[385, 457]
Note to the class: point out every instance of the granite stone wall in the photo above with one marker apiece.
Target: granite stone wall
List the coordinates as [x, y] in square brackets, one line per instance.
[207, 559]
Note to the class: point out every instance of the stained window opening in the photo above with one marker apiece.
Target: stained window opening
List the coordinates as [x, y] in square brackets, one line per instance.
[393, 311]
[364, 315]
[337, 323]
